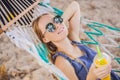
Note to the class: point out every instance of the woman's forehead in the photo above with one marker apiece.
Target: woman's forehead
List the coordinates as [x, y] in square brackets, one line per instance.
[44, 20]
[47, 16]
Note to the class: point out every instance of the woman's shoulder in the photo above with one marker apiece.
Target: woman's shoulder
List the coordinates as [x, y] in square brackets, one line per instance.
[60, 57]
[65, 66]
[60, 61]
[63, 63]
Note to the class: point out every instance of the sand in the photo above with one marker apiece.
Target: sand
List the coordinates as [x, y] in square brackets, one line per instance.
[21, 65]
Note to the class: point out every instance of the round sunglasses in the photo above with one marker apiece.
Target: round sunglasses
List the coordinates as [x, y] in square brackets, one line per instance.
[50, 27]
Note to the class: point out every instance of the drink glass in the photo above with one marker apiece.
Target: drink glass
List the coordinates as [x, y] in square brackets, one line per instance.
[101, 62]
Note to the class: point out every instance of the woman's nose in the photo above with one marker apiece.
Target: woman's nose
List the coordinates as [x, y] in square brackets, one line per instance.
[56, 25]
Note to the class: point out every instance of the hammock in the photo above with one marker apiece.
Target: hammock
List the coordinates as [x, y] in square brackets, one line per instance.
[19, 18]
[16, 23]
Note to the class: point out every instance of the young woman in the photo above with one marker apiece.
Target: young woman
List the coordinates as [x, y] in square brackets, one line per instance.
[72, 58]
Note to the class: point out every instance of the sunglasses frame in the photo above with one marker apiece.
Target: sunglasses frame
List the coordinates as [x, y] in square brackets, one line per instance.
[55, 20]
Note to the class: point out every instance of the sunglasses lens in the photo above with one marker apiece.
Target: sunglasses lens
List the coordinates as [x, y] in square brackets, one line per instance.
[61, 20]
[50, 27]
[58, 19]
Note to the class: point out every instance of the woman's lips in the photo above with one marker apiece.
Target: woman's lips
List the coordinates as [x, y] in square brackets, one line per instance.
[60, 30]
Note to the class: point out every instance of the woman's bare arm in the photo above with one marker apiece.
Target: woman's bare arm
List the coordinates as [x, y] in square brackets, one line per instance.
[66, 68]
[72, 15]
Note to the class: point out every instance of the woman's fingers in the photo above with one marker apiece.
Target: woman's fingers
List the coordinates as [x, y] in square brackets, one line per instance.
[102, 72]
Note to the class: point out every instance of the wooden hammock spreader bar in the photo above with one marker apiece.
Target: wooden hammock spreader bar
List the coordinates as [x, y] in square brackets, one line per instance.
[19, 16]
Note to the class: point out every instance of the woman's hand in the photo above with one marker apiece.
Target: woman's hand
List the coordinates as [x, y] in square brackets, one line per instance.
[100, 72]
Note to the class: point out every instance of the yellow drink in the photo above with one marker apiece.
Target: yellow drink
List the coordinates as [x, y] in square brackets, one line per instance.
[105, 60]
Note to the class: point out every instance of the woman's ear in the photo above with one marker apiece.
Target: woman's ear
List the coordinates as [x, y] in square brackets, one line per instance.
[45, 40]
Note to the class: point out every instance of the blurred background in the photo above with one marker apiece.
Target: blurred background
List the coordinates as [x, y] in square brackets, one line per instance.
[20, 65]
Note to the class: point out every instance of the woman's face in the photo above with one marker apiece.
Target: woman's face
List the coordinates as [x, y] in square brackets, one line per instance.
[58, 33]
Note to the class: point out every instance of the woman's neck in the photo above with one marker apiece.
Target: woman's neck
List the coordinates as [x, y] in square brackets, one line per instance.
[65, 46]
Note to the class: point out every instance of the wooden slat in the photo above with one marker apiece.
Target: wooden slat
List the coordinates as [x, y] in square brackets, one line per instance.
[20, 15]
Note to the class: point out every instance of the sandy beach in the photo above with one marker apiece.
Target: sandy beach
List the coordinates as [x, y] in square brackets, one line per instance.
[20, 65]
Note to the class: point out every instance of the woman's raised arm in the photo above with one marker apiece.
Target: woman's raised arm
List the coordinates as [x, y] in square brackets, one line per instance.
[72, 16]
